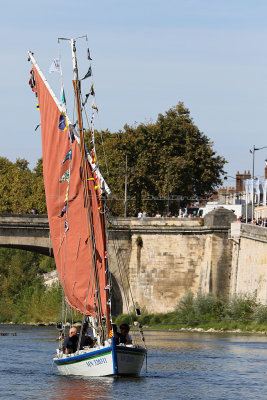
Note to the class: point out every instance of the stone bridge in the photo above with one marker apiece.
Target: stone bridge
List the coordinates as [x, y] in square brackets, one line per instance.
[26, 232]
[160, 259]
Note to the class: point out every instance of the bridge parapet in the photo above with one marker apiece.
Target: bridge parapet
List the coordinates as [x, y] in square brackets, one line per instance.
[249, 231]
[23, 219]
[28, 232]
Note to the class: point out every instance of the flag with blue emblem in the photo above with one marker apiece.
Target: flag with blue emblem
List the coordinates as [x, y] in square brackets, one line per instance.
[62, 122]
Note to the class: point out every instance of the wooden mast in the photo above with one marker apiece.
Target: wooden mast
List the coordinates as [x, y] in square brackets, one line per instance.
[76, 85]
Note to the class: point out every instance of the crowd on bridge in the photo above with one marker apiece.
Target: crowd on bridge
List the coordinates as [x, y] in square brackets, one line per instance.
[32, 211]
[182, 214]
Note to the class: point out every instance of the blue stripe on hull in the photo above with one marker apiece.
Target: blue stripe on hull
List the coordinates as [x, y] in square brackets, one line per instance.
[82, 357]
[114, 357]
[122, 350]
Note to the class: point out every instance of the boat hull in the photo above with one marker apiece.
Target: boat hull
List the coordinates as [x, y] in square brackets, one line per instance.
[107, 361]
[130, 360]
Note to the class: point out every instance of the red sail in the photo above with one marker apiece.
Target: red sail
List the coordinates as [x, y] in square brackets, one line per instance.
[74, 246]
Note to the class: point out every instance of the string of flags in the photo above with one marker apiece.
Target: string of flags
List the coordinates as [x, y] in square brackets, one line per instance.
[63, 126]
[66, 178]
[95, 179]
[92, 130]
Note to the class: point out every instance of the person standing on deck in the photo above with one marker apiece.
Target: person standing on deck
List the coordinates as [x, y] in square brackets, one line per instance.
[71, 341]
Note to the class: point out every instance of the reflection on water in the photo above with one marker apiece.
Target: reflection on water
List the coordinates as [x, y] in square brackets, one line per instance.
[180, 366]
[82, 388]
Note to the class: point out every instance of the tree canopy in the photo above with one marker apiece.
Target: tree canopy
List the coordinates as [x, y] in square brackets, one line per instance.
[21, 189]
[165, 159]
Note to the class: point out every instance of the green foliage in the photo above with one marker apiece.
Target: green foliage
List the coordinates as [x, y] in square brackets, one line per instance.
[139, 241]
[260, 312]
[185, 308]
[20, 188]
[241, 306]
[208, 311]
[171, 150]
[122, 319]
[24, 298]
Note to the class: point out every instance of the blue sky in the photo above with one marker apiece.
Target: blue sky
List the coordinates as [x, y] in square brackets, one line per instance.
[147, 56]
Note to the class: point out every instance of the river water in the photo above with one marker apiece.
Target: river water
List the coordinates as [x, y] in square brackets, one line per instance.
[180, 366]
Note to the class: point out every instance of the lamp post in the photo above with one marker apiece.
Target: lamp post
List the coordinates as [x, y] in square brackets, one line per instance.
[126, 171]
[253, 163]
[125, 189]
[168, 196]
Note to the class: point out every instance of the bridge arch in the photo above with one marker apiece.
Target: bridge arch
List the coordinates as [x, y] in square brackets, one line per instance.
[31, 233]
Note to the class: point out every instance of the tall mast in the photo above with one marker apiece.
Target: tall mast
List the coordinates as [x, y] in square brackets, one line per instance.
[76, 86]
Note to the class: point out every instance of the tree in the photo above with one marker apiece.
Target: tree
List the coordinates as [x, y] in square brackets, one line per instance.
[38, 196]
[168, 157]
[20, 188]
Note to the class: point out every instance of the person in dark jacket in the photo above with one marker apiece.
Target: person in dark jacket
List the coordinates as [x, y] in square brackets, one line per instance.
[71, 341]
[86, 340]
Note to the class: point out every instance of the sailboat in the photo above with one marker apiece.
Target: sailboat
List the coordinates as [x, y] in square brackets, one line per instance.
[76, 196]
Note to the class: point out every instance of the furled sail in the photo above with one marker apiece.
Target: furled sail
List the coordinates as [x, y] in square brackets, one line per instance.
[75, 222]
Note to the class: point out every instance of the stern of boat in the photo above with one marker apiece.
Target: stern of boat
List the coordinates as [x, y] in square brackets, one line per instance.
[130, 359]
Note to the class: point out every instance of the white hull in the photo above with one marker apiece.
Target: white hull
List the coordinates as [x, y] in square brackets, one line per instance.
[105, 361]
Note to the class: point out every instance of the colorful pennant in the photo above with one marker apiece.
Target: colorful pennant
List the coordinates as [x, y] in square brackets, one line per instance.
[88, 74]
[65, 177]
[67, 157]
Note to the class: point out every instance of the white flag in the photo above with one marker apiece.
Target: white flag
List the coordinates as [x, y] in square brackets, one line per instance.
[55, 66]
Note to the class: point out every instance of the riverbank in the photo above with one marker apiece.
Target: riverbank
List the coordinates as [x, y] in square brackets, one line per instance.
[203, 313]
[155, 328]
